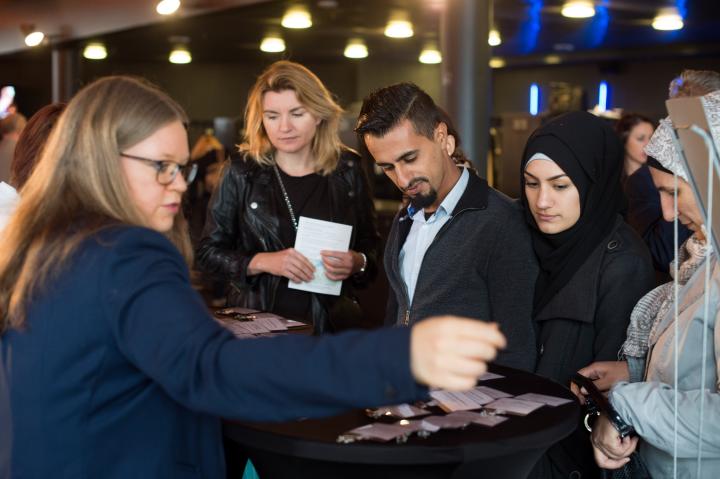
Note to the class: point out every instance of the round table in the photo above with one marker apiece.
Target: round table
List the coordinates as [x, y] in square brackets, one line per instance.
[308, 448]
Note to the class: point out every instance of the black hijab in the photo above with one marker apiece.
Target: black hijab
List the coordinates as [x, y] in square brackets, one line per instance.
[588, 150]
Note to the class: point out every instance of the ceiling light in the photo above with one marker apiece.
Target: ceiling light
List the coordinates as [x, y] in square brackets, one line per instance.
[356, 48]
[297, 17]
[34, 38]
[180, 55]
[399, 25]
[95, 51]
[430, 55]
[578, 9]
[553, 59]
[272, 44]
[494, 38]
[668, 19]
[564, 47]
[167, 7]
[496, 62]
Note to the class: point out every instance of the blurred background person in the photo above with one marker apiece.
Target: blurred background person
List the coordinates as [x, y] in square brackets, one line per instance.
[635, 131]
[27, 152]
[644, 213]
[291, 164]
[10, 128]
[208, 153]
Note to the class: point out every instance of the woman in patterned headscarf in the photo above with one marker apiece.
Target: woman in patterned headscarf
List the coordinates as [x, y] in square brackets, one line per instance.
[664, 346]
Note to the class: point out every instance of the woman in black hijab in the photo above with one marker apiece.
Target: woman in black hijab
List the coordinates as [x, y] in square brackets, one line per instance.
[593, 266]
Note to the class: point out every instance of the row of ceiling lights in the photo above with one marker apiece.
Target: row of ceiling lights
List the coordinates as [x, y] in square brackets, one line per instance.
[398, 26]
[668, 18]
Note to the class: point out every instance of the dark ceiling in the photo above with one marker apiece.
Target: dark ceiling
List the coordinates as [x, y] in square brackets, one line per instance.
[531, 30]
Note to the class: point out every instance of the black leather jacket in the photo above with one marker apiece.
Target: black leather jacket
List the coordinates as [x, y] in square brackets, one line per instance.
[242, 220]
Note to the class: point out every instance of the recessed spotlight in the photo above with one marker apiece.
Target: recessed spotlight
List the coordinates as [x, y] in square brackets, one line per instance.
[297, 17]
[356, 48]
[496, 62]
[564, 47]
[399, 25]
[180, 55]
[553, 59]
[430, 55]
[272, 44]
[578, 9]
[668, 19]
[95, 51]
[34, 38]
[167, 7]
[494, 38]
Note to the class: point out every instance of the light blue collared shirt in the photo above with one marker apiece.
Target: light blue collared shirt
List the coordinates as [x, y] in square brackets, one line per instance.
[423, 232]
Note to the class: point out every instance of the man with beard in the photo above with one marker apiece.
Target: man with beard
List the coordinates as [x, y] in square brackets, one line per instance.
[460, 247]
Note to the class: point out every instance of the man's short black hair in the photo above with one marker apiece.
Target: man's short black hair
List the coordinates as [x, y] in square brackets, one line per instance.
[385, 108]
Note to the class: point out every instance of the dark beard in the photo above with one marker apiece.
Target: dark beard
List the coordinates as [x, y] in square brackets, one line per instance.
[423, 201]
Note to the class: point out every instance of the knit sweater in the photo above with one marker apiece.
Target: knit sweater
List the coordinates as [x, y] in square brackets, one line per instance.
[481, 265]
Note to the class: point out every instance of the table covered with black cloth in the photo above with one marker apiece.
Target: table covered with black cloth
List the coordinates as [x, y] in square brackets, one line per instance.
[308, 448]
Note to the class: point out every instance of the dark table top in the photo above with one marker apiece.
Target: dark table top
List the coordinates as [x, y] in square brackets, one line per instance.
[316, 438]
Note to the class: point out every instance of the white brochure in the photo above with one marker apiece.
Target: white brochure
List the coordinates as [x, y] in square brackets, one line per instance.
[518, 407]
[542, 398]
[312, 237]
[450, 401]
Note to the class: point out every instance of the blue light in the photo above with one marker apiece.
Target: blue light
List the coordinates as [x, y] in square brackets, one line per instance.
[534, 99]
[682, 7]
[530, 28]
[603, 96]
[599, 25]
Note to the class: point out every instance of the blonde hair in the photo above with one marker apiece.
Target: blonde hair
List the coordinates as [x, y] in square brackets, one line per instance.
[78, 186]
[312, 94]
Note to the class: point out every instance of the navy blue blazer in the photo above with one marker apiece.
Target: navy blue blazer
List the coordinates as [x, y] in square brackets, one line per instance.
[120, 372]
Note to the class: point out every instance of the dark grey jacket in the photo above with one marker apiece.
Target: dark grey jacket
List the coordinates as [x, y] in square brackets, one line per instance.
[481, 265]
[586, 322]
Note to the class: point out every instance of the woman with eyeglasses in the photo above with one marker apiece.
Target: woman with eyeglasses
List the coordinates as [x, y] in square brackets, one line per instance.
[291, 164]
[113, 366]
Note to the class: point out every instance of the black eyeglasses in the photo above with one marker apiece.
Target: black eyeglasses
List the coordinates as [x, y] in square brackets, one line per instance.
[166, 171]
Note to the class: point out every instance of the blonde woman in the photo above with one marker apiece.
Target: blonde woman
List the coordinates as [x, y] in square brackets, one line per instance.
[291, 164]
[113, 365]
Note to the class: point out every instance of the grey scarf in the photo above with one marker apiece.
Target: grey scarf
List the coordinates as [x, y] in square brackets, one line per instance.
[655, 305]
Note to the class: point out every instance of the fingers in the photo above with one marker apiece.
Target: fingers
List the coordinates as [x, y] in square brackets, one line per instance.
[451, 352]
[607, 463]
[593, 371]
[606, 373]
[297, 267]
[476, 330]
[338, 264]
[578, 392]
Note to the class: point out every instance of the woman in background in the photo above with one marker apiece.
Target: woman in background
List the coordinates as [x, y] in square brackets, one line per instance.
[635, 131]
[27, 152]
[291, 164]
[644, 211]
